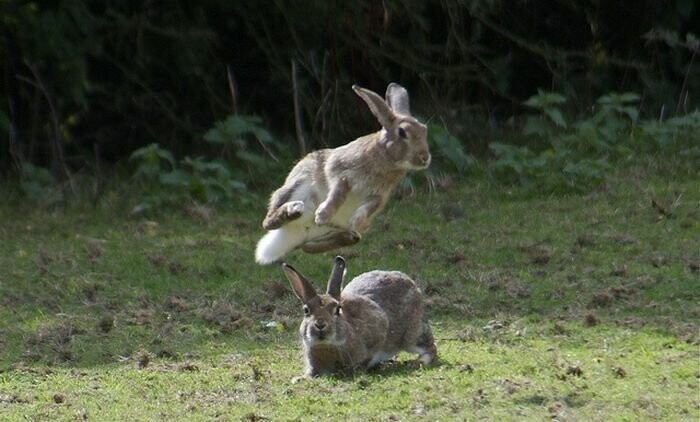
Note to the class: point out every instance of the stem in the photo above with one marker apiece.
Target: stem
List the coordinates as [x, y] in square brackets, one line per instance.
[57, 144]
[684, 86]
[297, 109]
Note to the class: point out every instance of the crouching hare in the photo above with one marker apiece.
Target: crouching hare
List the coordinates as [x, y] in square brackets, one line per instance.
[378, 314]
[330, 197]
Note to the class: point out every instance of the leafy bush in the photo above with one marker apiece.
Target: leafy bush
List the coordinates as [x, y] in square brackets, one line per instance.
[575, 156]
[35, 180]
[166, 180]
[676, 134]
[236, 136]
[448, 152]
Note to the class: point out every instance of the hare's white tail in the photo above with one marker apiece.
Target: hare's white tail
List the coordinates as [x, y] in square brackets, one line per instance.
[276, 244]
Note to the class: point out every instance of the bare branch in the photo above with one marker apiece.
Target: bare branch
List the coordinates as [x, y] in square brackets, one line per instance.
[57, 143]
[297, 109]
[232, 89]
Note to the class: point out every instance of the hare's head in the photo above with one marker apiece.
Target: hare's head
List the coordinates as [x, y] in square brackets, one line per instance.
[404, 138]
[322, 313]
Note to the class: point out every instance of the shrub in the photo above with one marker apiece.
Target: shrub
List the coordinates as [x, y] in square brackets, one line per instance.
[576, 155]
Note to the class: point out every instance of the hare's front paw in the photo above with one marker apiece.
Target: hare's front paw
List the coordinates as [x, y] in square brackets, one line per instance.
[322, 216]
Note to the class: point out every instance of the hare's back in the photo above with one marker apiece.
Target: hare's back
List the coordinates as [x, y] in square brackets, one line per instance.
[400, 299]
[393, 291]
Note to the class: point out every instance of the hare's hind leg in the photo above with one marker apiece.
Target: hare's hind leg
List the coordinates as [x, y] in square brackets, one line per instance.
[330, 241]
[281, 210]
[425, 345]
[285, 213]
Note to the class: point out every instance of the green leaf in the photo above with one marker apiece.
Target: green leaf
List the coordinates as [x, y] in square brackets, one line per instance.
[450, 149]
[614, 98]
[545, 99]
[175, 178]
[534, 125]
[556, 115]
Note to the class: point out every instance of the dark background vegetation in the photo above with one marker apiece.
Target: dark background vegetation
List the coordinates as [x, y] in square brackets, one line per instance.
[86, 83]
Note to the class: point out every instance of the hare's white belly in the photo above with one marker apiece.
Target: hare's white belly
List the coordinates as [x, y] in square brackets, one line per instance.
[340, 218]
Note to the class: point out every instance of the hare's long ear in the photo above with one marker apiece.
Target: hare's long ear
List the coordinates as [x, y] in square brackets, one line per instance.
[377, 106]
[335, 281]
[302, 287]
[397, 98]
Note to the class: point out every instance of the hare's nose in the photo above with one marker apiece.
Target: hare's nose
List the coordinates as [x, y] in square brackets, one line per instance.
[320, 325]
[424, 157]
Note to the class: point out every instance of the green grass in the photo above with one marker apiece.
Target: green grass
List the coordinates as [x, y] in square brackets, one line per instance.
[568, 307]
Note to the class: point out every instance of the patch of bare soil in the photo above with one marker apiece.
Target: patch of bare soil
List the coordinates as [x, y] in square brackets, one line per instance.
[176, 303]
[619, 371]
[559, 411]
[515, 287]
[452, 211]
[159, 260]
[198, 212]
[510, 387]
[606, 297]
[188, 367]
[253, 417]
[455, 258]
[623, 239]
[43, 259]
[54, 338]
[147, 228]
[94, 249]
[274, 289]
[619, 271]
[591, 320]
[447, 296]
[449, 305]
[224, 315]
[686, 332]
[106, 323]
[658, 260]
[574, 370]
[140, 316]
[601, 299]
[662, 211]
[10, 398]
[518, 289]
[585, 240]
[142, 358]
[537, 253]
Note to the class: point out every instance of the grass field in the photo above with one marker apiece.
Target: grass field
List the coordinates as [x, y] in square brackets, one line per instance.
[581, 307]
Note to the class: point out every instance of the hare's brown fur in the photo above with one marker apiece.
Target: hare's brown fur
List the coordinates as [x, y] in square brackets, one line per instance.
[377, 315]
[330, 197]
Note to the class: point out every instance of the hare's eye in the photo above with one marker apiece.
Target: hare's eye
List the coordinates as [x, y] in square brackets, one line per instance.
[306, 310]
[402, 133]
[337, 310]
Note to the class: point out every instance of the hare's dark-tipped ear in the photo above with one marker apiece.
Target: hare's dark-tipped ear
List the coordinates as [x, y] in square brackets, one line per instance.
[397, 98]
[377, 106]
[335, 281]
[301, 286]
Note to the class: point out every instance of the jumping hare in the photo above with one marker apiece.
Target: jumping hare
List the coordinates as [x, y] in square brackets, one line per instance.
[331, 196]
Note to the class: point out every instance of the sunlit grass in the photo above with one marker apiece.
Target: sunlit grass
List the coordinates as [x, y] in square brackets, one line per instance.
[573, 307]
